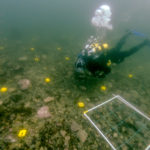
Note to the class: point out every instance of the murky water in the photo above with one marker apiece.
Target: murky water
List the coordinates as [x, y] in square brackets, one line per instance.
[39, 41]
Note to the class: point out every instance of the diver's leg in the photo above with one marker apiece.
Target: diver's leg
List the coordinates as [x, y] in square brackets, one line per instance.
[117, 57]
[122, 41]
[134, 49]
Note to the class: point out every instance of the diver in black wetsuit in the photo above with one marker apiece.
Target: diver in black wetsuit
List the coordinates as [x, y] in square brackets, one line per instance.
[96, 59]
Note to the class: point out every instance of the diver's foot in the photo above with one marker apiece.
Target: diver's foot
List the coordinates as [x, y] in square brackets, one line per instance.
[129, 32]
[147, 41]
[139, 34]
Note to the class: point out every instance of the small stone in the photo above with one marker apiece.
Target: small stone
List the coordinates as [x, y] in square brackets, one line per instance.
[41, 148]
[27, 104]
[63, 133]
[109, 85]
[43, 112]
[2, 48]
[87, 99]
[68, 91]
[48, 99]
[1, 102]
[44, 56]
[75, 126]
[67, 138]
[12, 89]
[140, 144]
[83, 88]
[125, 147]
[37, 100]
[24, 84]
[82, 135]
[2, 72]
[115, 135]
[11, 139]
[123, 129]
[17, 68]
[24, 58]
[134, 93]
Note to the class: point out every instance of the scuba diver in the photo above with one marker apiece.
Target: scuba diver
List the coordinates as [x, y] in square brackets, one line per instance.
[96, 59]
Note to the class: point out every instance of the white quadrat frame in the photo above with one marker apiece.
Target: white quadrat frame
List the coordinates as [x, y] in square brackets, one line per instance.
[148, 147]
[123, 101]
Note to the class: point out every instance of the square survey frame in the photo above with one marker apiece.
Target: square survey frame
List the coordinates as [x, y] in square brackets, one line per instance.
[148, 147]
[104, 103]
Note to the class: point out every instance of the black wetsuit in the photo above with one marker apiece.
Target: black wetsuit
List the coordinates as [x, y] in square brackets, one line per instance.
[98, 66]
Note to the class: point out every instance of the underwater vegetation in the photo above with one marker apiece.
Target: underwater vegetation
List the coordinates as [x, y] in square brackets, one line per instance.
[43, 108]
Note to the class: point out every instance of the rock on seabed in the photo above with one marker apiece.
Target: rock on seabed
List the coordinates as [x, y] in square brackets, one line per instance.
[43, 112]
[82, 135]
[48, 99]
[24, 84]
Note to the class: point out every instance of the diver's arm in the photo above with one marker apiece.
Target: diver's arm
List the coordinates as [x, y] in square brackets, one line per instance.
[102, 71]
[134, 49]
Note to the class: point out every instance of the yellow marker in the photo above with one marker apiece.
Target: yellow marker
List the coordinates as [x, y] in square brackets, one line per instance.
[109, 63]
[59, 48]
[22, 133]
[96, 45]
[105, 45]
[81, 104]
[47, 80]
[67, 58]
[85, 111]
[130, 75]
[37, 59]
[3, 89]
[32, 49]
[99, 48]
[103, 88]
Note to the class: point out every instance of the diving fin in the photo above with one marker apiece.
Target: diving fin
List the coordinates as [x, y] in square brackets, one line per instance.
[139, 34]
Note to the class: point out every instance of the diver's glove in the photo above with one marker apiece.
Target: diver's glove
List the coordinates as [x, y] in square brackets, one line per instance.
[99, 74]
